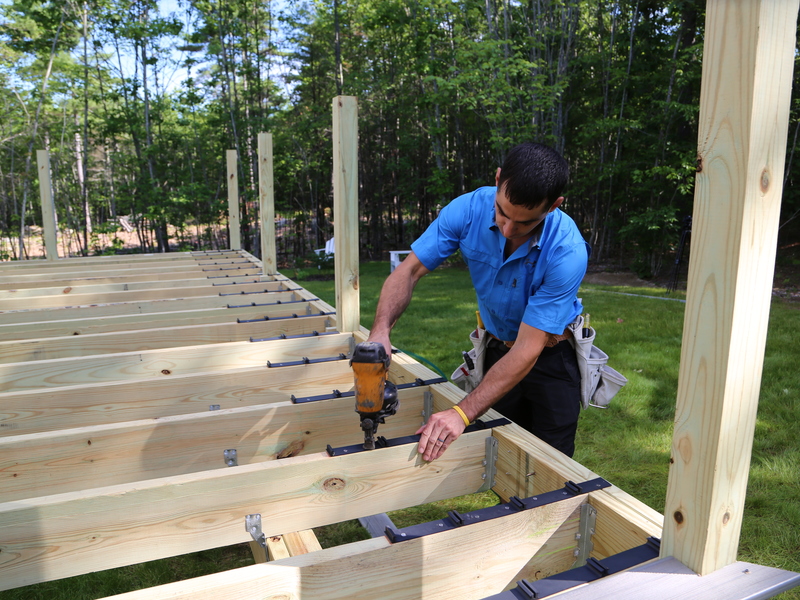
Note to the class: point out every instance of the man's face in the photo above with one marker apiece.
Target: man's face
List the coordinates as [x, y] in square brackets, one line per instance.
[514, 221]
[517, 222]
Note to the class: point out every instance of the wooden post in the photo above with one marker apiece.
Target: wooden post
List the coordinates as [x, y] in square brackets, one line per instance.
[744, 110]
[234, 227]
[345, 211]
[266, 199]
[48, 207]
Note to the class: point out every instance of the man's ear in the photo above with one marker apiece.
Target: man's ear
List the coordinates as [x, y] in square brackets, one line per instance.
[556, 204]
[497, 177]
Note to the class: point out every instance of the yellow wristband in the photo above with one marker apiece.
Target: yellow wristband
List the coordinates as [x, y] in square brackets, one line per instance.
[463, 416]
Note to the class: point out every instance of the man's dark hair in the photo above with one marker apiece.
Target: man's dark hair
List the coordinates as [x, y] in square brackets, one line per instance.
[533, 174]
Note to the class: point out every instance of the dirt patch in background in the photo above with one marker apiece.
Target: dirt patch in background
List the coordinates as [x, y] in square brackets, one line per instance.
[786, 281]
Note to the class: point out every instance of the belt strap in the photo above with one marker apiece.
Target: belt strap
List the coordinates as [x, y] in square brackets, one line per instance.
[552, 339]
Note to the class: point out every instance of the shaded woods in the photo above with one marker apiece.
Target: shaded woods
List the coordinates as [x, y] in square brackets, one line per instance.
[137, 107]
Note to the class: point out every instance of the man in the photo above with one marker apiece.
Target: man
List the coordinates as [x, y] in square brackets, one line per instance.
[526, 259]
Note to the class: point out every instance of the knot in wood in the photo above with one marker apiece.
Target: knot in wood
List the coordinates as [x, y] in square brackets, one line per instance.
[725, 518]
[678, 516]
[333, 484]
[166, 372]
[765, 180]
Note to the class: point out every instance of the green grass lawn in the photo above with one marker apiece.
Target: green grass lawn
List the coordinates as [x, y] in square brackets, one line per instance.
[628, 444]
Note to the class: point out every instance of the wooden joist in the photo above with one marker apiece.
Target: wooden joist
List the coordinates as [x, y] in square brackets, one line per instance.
[163, 337]
[85, 405]
[121, 261]
[63, 461]
[66, 288]
[469, 562]
[62, 535]
[149, 295]
[110, 275]
[132, 322]
[211, 300]
[168, 362]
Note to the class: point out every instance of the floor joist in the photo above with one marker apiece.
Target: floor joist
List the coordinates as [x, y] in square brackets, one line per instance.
[175, 281]
[57, 536]
[213, 300]
[163, 337]
[468, 562]
[37, 410]
[168, 361]
[36, 303]
[92, 325]
[21, 278]
[63, 461]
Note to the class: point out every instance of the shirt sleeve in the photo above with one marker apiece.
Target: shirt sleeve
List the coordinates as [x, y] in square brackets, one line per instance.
[442, 237]
[554, 305]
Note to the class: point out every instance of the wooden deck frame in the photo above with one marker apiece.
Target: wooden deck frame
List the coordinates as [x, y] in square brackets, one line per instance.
[47, 537]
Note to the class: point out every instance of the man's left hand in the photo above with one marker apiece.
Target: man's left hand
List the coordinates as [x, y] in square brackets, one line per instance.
[441, 430]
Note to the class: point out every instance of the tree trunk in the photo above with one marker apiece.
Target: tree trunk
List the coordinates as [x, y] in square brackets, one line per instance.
[35, 127]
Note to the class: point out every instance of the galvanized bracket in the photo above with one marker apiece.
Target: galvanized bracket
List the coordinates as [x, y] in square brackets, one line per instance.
[231, 459]
[515, 504]
[252, 523]
[584, 536]
[490, 463]
[351, 344]
[427, 406]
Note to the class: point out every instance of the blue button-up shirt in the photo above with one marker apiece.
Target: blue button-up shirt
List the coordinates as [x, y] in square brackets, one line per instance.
[536, 285]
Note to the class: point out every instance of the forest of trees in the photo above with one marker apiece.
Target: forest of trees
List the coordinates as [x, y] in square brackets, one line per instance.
[137, 106]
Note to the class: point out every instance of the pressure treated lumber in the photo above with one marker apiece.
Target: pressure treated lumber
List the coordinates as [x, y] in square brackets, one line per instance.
[166, 337]
[292, 544]
[748, 58]
[175, 281]
[86, 277]
[118, 323]
[119, 263]
[206, 288]
[166, 362]
[345, 211]
[48, 207]
[220, 269]
[469, 562]
[57, 536]
[213, 300]
[266, 203]
[527, 466]
[234, 217]
[62, 280]
[37, 410]
[67, 460]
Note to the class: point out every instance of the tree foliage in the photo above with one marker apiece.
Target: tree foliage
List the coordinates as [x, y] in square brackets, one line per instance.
[149, 102]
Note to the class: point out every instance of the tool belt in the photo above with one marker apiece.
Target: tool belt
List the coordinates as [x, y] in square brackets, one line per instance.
[552, 339]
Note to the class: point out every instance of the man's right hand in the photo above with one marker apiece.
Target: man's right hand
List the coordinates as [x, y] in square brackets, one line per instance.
[382, 339]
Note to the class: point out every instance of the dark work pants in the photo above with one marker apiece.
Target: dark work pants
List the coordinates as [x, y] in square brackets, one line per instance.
[547, 402]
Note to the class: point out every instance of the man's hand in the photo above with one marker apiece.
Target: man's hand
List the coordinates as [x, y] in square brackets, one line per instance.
[441, 430]
[444, 427]
[382, 339]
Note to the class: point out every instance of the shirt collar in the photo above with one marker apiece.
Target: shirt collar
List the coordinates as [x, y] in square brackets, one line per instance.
[537, 234]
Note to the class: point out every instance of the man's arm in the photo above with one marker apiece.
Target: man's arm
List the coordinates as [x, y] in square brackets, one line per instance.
[395, 298]
[443, 428]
